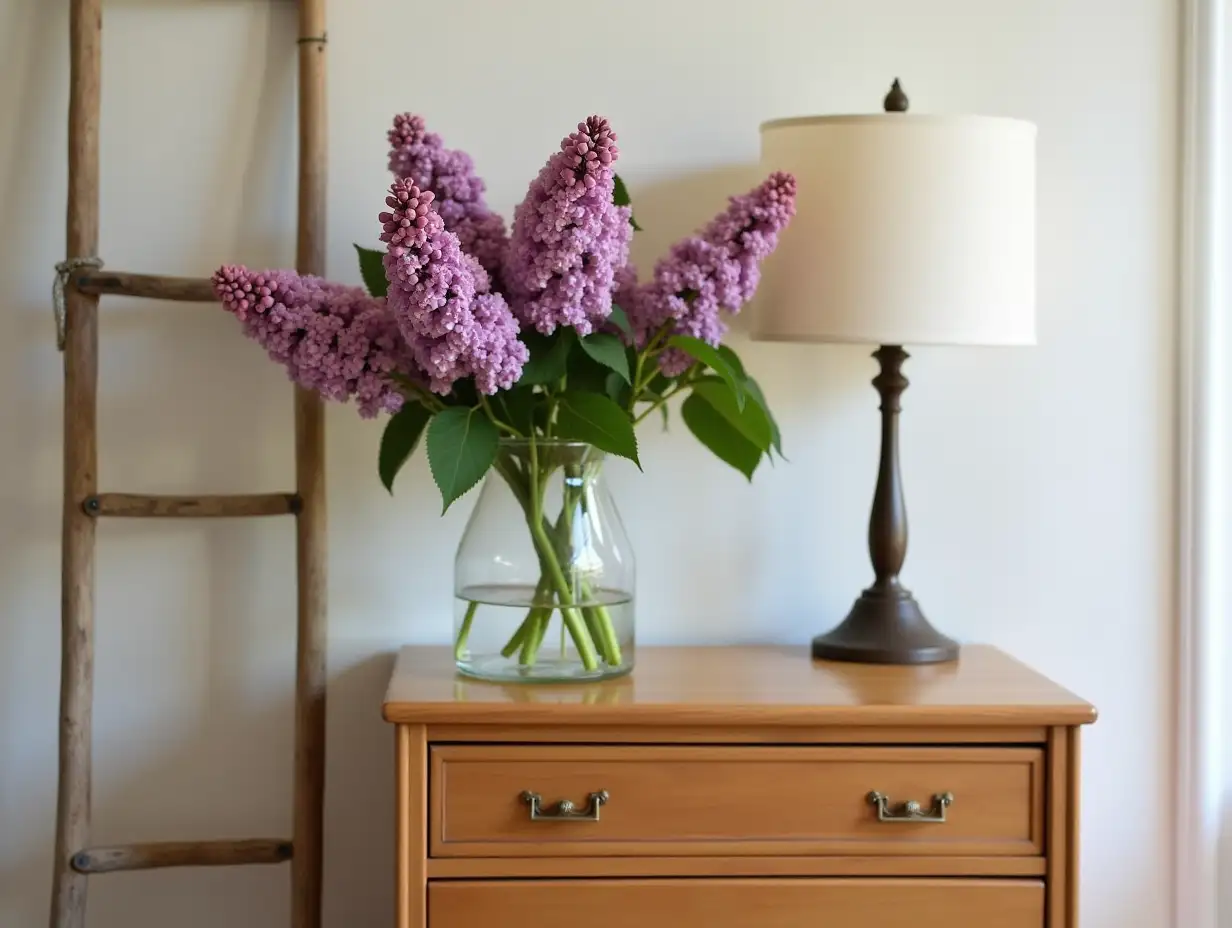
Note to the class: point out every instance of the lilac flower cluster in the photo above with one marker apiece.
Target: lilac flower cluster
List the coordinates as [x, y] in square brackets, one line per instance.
[460, 291]
[568, 237]
[453, 328]
[333, 339]
[421, 156]
[717, 270]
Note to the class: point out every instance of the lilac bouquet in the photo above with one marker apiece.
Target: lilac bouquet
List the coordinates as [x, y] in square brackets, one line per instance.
[473, 338]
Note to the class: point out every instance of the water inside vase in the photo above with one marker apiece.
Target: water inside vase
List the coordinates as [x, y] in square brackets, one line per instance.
[506, 633]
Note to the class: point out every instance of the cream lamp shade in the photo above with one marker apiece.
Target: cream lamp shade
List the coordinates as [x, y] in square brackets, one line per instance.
[909, 229]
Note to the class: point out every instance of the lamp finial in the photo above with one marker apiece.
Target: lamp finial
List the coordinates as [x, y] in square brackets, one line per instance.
[896, 101]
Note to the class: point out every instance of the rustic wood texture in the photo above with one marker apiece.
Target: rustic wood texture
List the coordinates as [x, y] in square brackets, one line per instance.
[68, 894]
[82, 504]
[746, 734]
[733, 903]
[411, 827]
[135, 506]
[311, 561]
[151, 286]
[665, 801]
[181, 854]
[453, 868]
[765, 686]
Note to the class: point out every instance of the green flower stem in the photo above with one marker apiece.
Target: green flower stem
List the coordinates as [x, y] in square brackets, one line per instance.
[540, 618]
[533, 615]
[598, 620]
[569, 613]
[606, 640]
[499, 423]
[459, 646]
[592, 631]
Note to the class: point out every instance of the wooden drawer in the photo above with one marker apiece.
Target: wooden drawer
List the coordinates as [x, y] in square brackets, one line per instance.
[722, 903]
[734, 801]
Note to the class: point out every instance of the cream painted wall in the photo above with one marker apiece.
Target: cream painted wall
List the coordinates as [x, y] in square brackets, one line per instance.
[1038, 480]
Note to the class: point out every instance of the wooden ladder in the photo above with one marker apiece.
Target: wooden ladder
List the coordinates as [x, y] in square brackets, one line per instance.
[79, 283]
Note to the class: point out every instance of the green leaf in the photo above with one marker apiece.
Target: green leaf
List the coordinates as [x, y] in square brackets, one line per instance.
[620, 193]
[609, 351]
[619, 318]
[660, 383]
[756, 395]
[517, 407]
[462, 445]
[620, 197]
[751, 421]
[372, 270]
[713, 359]
[663, 413]
[733, 360]
[549, 355]
[399, 439]
[617, 389]
[584, 373]
[593, 418]
[720, 436]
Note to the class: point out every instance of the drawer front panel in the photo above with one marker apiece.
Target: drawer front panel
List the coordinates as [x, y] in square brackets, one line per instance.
[733, 801]
[917, 903]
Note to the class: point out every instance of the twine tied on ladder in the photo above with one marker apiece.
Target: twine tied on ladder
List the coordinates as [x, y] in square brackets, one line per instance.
[64, 270]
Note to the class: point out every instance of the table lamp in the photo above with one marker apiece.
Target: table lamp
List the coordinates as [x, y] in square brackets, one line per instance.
[909, 230]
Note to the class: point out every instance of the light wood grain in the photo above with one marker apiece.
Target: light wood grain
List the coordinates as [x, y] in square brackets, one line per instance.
[1073, 749]
[734, 801]
[80, 474]
[1059, 861]
[181, 854]
[137, 506]
[746, 686]
[310, 530]
[727, 903]
[150, 286]
[453, 868]
[736, 734]
[412, 837]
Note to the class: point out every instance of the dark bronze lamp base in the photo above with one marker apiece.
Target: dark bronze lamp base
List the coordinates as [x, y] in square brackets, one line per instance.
[885, 627]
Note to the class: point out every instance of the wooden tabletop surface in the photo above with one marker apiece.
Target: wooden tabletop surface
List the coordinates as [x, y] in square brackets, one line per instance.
[727, 685]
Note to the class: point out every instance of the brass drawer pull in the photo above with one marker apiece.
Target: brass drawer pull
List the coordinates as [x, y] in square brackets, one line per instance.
[911, 809]
[564, 810]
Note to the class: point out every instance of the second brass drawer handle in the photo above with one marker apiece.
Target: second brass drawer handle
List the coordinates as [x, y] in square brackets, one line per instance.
[565, 811]
[912, 812]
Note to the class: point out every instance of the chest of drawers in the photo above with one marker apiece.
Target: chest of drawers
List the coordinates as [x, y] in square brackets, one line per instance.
[738, 787]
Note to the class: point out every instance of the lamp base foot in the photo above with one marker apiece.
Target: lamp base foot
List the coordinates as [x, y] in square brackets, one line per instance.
[885, 626]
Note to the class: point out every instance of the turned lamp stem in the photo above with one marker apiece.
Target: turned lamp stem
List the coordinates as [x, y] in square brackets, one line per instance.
[886, 625]
[887, 526]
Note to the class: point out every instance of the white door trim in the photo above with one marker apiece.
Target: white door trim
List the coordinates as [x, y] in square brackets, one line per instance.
[1202, 472]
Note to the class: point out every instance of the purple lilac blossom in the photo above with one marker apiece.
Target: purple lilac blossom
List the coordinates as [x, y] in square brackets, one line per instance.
[453, 327]
[333, 339]
[568, 237]
[421, 156]
[716, 270]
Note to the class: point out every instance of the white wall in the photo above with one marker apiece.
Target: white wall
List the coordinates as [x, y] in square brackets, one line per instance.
[1038, 479]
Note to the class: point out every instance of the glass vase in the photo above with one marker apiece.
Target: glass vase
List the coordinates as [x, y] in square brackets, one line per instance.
[544, 573]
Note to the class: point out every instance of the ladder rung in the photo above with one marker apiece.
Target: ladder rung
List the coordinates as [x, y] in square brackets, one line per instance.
[133, 505]
[181, 854]
[188, 289]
